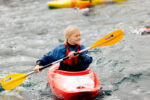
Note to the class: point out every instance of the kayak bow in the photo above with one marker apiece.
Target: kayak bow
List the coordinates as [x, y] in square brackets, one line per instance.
[73, 85]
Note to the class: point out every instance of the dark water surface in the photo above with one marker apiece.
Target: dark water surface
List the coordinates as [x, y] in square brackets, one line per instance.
[28, 30]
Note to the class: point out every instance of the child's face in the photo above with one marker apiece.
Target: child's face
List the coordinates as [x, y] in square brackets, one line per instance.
[74, 38]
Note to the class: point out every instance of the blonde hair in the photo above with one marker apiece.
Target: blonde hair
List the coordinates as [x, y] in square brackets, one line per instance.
[70, 30]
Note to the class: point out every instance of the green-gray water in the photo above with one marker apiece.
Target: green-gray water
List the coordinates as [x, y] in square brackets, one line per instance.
[28, 30]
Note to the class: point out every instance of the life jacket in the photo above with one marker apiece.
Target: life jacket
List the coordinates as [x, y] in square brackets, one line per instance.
[73, 61]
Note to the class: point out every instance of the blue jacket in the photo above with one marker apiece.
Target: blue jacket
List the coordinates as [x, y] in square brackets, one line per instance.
[59, 52]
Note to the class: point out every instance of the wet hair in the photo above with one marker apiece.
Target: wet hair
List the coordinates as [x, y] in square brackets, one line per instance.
[70, 30]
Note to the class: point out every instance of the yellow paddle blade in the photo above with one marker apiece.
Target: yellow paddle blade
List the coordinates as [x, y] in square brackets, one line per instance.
[13, 80]
[109, 39]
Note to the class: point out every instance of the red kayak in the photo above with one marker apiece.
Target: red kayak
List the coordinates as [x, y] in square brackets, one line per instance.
[73, 85]
[144, 30]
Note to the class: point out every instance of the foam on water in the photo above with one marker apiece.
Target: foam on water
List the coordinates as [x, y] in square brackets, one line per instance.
[29, 30]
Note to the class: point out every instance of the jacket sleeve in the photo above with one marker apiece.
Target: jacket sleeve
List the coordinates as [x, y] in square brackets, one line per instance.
[52, 56]
[84, 58]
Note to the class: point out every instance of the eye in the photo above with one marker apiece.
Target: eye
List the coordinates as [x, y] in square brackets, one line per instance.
[76, 35]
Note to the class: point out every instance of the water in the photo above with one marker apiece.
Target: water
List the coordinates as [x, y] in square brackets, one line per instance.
[28, 30]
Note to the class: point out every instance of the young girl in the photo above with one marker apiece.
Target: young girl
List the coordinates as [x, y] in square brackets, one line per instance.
[72, 44]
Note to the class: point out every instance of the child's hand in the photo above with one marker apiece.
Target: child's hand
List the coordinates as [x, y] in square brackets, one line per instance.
[71, 54]
[36, 69]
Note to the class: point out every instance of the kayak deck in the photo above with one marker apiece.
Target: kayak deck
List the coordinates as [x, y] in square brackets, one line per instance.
[54, 4]
[69, 85]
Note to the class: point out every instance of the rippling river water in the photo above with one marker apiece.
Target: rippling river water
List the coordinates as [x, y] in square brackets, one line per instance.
[28, 29]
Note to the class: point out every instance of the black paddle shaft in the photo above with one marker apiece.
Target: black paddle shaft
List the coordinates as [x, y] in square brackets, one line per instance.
[57, 61]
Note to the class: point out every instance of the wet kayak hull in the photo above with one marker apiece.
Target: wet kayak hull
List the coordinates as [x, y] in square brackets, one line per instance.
[73, 85]
[55, 4]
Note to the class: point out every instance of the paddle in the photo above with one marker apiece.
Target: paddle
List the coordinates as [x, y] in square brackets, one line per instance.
[13, 80]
